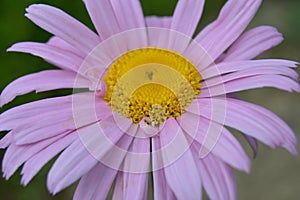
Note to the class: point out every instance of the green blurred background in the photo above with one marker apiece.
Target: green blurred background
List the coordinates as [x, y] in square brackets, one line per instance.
[275, 174]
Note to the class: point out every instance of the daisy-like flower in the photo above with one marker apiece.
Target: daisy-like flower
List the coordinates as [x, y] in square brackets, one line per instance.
[154, 101]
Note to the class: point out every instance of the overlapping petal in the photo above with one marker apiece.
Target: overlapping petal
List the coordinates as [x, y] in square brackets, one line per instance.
[173, 171]
[232, 21]
[96, 183]
[54, 119]
[226, 147]
[60, 43]
[252, 82]
[60, 57]
[161, 188]
[63, 26]
[269, 66]
[103, 17]
[254, 121]
[217, 177]
[72, 164]
[253, 43]
[102, 148]
[129, 14]
[187, 16]
[16, 155]
[42, 81]
[159, 22]
[36, 162]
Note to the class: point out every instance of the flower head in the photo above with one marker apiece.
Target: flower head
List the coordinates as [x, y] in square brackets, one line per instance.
[156, 100]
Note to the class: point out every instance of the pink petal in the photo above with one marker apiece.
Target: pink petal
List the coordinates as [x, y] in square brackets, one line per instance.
[195, 53]
[35, 163]
[255, 71]
[103, 17]
[139, 150]
[40, 82]
[253, 144]
[217, 178]
[116, 156]
[254, 122]
[184, 168]
[282, 129]
[62, 114]
[251, 82]
[73, 163]
[65, 27]
[25, 135]
[156, 37]
[55, 120]
[233, 19]
[158, 22]
[60, 123]
[131, 184]
[129, 14]
[16, 155]
[62, 58]
[276, 65]
[251, 140]
[186, 16]
[161, 187]
[67, 169]
[6, 141]
[30, 112]
[60, 43]
[160, 34]
[96, 183]
[226, 146]
[20, 113]
[168, 39]
[253, 43]
[79, 158]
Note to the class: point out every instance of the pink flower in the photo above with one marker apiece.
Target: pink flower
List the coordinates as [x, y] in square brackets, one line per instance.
[155, 100]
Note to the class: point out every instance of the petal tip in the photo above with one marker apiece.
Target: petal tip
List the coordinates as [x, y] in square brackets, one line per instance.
[50, 187]
[292, 149]
[32, 7]
[24, 182]
[27, 15]
[6, 176]
[4, 99]
[247, 166]
[248, 169]
[10, 49]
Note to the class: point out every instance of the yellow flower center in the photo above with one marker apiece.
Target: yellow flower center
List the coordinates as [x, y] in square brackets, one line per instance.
[151, 84]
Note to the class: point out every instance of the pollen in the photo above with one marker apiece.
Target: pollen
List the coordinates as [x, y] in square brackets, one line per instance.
[151, 84]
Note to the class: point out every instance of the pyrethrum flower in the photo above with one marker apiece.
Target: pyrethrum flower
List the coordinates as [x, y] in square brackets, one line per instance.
[155, 100]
